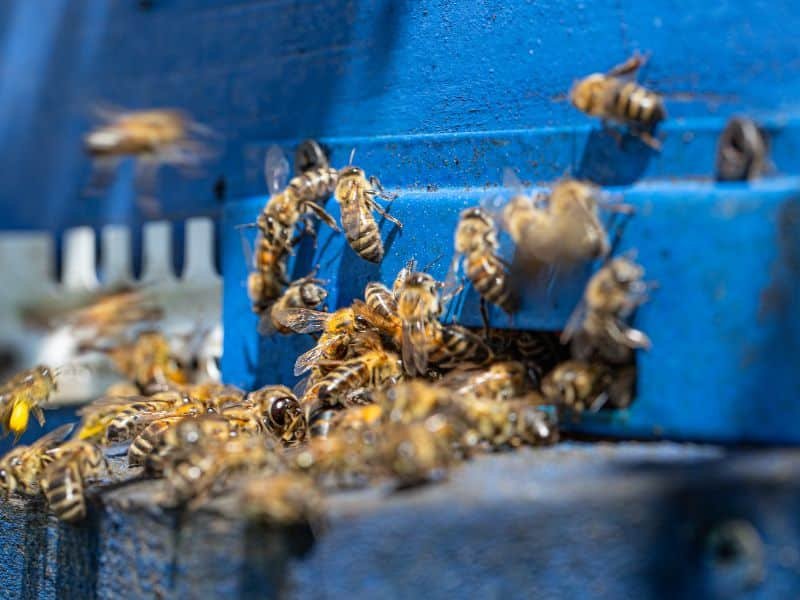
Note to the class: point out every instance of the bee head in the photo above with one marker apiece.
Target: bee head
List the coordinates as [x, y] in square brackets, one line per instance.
[351, 171]
[585, 94]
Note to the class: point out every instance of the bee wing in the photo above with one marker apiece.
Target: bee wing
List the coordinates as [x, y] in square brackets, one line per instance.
[353, 218]
[302, 320]
[50, 439]
[511, 180]
[575, 322]
[299, 388]
[276, 169]
[309, 359]
[108, 402]
[414, 351]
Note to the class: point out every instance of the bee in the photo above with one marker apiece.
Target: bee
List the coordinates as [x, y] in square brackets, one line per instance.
[346, 458]
[614, 97]
[373, 369]
[379, 310]
[451, 346]
[506, 424]
[418, 452]
[282, 499]
[306, 293]
[598, 324]
[74, 463]
[476, 246]
[338, 329]
[202, 462]
[580, 386]
[419, 306]
[289, 205]
[111, 314]
[266, 282]
[23, 395]
[148, 361]
[501, 381]
[150, 440]
[22, 467]
[415, 400]
[566, 230]
[356, 197]
[280, 412]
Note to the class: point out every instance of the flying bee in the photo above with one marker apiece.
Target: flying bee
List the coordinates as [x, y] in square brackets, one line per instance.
[418, 452]
[502, 424]
[22, 467]
[579, 386]
[502, 380]
[64, 481]
[615, 97]
[280, 411]
[565, 229]
[598, 324]
[305, 293]
[153, 137]
[373, 369]
[476, 246]
[282, 499]
[23, 395]
[356, 197]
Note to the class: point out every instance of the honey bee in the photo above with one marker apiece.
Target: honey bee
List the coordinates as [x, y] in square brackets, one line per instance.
[23, 395]
[414, 401]
[21, 467]
[566, 230]
[476, 246]
[111, 314]
[356, 197]
[150, 440]
[502, 424]
[614, 97]
[288, 206]
[282, 499]
[373, 369]
[419, 452]
[379, 310]
[451, 346]
[74, 463]
[148, 361]
[266, 282]
[419, 306]
[501, 381]
[599, 322]
[305, 293]
[202, 460]
[580, 386]
[346, 458]
[338, 329]
[280, 411]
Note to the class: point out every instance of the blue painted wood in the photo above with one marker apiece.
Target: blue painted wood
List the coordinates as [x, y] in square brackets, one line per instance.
[260, 70]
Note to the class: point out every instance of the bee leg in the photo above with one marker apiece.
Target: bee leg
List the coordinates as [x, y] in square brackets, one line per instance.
[649, 139]
[612, 131]
[322, 214]
[382, 212]
[38, 414]
[485, 318]
[377, 189]
[629, 67]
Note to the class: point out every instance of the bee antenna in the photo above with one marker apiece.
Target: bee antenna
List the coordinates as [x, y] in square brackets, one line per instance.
[433, 262]
[352, 156]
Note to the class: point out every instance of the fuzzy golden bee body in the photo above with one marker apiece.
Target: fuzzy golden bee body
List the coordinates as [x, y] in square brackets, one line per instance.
[356, 197]
[22, 467]
[64, 481]
[613, 96]
[24, 395]
[306, 292]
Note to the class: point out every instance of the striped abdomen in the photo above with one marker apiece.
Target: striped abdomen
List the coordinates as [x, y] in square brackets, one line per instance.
[347, 377]
[63, 488]
[631, 103]
[149, 441]
[315, 185]
[454, 345]
[490, 279]
[381, 300]
[364, 237]
[132, 420]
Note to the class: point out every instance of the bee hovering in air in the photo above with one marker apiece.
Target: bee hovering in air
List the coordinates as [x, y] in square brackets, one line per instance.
[307, 293]
[22, 467]
[74, 463]
[615, 97]
[562, 228]
[598, 325]
[356, 197]
[153, 137]
[23, 395]
[476, 246]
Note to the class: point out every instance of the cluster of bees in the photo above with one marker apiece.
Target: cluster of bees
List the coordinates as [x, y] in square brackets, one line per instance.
[389, 390]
